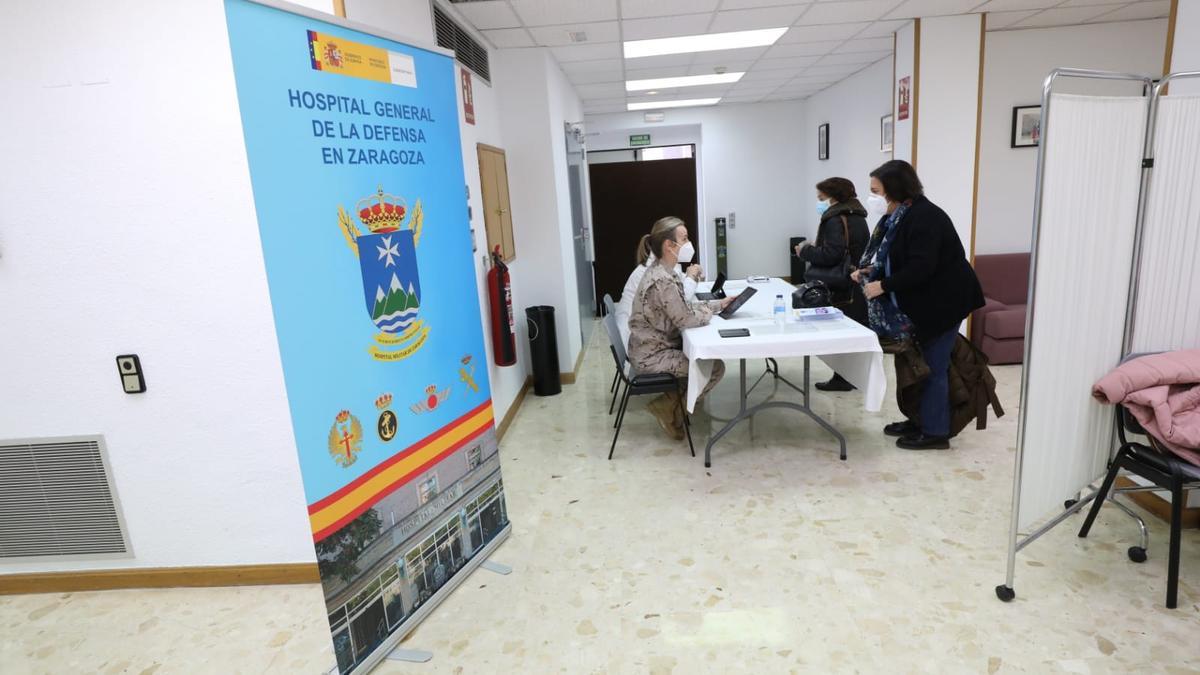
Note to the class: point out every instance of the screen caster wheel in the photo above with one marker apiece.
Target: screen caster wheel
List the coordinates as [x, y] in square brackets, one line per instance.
[1005, 593]
[1137, 554]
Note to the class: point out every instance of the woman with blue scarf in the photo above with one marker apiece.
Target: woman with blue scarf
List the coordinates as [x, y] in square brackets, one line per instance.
[919, 286]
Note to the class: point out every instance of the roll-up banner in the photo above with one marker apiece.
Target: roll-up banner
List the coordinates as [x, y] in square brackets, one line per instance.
[356, 166]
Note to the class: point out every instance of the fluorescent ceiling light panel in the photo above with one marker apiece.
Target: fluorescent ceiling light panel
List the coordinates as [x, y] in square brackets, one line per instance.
[655, 105]
[703, 43]
[687, 81]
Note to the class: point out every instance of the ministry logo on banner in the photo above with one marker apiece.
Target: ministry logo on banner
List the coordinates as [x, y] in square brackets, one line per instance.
[387, 258]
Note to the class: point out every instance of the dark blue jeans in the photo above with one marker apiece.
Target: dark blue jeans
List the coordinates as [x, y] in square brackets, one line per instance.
[935, 397]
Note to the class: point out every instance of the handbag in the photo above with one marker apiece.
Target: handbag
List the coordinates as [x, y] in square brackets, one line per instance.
[811, 294]
[836, 278]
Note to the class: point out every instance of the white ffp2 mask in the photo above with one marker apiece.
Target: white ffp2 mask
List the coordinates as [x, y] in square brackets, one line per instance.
[686, 253]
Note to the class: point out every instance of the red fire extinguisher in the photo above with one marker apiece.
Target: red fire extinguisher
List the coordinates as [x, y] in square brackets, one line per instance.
[500, 297]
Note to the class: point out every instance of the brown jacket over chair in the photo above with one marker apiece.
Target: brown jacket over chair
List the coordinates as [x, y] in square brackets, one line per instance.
[972, 387]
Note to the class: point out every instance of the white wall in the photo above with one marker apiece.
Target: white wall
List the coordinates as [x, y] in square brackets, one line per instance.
[534, 99]
[949, 100]
[1185, 55]
[1015, 65]
[906, 50]
[132, 204]
[853, 109]
[410, 19]
[752, 163]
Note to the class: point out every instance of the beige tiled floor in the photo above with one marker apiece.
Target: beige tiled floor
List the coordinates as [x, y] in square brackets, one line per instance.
[779, 559]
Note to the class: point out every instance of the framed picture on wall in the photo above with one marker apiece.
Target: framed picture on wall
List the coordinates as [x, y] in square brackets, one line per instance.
[903, 96]
[886, 129]
[1026, 126]
[823, 141]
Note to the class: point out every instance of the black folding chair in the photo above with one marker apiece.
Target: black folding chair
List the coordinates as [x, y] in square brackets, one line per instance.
[1161, 467]
[638, 384]
[611, 310]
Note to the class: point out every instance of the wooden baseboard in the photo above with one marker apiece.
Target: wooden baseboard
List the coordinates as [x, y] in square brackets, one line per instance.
[502, 428]
[573, 376]
[160, 577]
[1159, 507]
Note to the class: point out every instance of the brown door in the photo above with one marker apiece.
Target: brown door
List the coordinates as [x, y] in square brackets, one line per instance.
[497, 212]
[627, 197]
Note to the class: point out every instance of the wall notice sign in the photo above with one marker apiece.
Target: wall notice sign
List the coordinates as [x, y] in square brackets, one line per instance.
[904, 94]
[468, 97]
[639, 139]
[356, 163]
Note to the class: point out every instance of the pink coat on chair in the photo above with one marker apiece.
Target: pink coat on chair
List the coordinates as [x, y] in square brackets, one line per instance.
[1162, 391]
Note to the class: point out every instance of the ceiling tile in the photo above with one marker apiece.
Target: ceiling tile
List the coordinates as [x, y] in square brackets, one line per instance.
[579, 67]
[509, 37]
[833, 71]
[760, 90]
[609, 90]
[1088, 3]
[882, 29]
[912, 9]
[862, 58]
[750, 4]
[557, 12]
[602, 109]
[559, 36]
[1015, 5]
[634, 9]
[847, 12]
[866, 45]
[802, 49]
[664, 61]
[1002, 20]
[489, 15]
[1141, 10]
[793, 64]
[740, 99]
[730, 67]
[683, 92]
[654, 73]
[1062, 17]
[758, 74]
[596, 77]
[586, 51]
[837, 31]
[755, 19]
[646, 29]
[727, 55]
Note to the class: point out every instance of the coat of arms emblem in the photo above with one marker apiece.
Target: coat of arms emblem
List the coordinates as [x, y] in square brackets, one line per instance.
[387, 256]
[345, 439]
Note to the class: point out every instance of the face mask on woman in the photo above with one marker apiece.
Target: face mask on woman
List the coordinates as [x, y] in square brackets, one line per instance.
[876, 206]
[686, 253]
[822, 206]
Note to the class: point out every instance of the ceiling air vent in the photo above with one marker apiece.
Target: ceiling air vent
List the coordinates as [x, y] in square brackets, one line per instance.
[467, 50]
[57, 499]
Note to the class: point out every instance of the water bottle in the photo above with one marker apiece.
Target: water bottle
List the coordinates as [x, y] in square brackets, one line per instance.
[780, 312]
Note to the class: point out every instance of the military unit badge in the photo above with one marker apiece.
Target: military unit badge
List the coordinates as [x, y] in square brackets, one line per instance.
[467, 373]
[433, 398]
[345, 439]
[387, 257]
[388, 425]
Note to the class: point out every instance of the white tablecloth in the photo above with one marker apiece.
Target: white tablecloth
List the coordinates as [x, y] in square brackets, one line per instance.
[849, 348]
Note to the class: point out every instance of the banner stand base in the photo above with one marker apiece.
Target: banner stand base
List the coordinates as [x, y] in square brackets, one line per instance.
[409, 655]
[498, 568]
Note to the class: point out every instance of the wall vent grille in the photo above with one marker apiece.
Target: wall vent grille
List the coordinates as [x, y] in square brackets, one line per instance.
[57, 499]
[466, 49]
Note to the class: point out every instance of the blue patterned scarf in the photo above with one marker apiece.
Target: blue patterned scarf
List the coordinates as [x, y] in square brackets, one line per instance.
[883, 313]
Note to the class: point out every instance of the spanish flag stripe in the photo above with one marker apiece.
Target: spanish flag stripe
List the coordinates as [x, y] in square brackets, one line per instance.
[358, 510]
[364, 493]
[384, 465]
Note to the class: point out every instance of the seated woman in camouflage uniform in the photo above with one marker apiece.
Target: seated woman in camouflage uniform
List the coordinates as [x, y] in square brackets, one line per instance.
[660, 313]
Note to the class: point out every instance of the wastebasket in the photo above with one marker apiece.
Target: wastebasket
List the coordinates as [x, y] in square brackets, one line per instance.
[543, 348]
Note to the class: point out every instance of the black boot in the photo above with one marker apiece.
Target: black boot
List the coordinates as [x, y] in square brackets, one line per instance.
[920, 441]
[835, 383]
[905, 428]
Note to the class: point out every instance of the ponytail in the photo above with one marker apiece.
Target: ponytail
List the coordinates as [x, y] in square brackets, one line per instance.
[642, 254]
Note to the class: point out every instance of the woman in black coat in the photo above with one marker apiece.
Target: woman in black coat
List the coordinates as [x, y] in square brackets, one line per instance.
[927, 273]
[842, 216]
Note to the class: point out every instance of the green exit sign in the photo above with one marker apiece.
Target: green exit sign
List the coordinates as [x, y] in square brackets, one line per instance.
[639, 139]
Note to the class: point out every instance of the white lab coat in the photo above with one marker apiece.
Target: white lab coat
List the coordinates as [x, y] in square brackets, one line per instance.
[625, 306]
